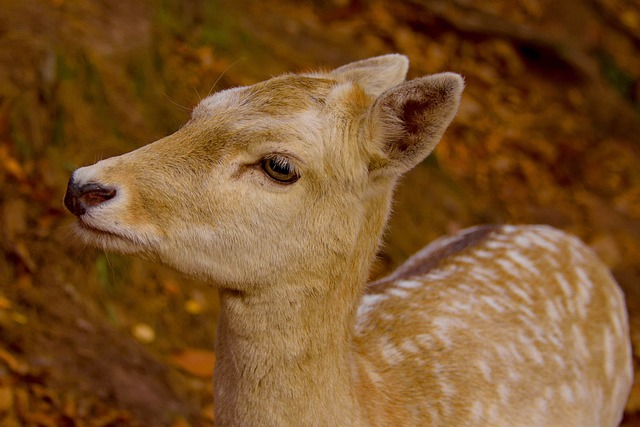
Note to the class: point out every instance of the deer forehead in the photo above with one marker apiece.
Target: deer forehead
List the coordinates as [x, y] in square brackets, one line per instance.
[313, 119]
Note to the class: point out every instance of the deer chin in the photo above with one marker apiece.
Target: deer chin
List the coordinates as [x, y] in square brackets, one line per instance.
[114, 237]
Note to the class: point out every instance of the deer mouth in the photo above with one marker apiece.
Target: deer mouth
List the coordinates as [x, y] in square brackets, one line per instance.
[111, 238]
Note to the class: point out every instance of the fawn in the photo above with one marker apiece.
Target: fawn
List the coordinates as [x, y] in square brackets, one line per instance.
[278, 194]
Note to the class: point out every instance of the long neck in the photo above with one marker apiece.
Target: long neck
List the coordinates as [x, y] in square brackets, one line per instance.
[285, 359]
[284, 353]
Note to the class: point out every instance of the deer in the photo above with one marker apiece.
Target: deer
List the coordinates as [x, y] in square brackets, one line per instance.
[278, 194]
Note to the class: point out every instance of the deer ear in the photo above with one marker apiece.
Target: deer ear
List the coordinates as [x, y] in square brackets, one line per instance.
[408, 120]
[375, 75]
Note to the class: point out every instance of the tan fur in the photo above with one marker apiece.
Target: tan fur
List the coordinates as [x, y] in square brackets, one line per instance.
[501, 326]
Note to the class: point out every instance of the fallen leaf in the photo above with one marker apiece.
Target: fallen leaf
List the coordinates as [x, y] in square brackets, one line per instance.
[193, 307]
[41, 419]
[25, 256]
[13, 362]
[633, 403]
[11, 165]
[143, 333]
[197, 362]
[607, 249]
[6, 399]
[180, 422]
[208, 413]
[4, 303]
[19, 318]
[171, 287]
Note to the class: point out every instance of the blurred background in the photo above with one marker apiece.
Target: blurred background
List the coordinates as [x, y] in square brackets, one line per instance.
[548, 132]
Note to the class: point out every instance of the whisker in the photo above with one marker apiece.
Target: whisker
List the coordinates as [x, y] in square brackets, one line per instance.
[223, 73]
[182, 107]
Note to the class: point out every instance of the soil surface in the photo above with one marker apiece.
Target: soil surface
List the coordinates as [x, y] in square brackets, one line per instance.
[548, 132]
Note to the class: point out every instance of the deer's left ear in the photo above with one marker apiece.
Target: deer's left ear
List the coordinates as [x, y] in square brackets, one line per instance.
[408, 120]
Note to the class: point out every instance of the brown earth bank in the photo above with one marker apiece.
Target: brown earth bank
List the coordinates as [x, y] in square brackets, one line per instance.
[548, 132]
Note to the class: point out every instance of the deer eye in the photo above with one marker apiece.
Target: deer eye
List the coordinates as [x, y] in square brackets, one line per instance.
[280, 169]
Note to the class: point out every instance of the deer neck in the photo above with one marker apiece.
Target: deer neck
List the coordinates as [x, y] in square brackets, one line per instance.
[285, 358]
[284, 354]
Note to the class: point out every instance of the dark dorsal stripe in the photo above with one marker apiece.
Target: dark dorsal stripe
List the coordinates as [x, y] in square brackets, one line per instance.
[420, 267]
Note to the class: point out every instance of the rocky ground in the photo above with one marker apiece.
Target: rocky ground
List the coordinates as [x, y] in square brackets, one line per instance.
[548, 132]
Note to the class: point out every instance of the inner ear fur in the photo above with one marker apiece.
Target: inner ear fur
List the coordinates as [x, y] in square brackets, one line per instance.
[375, 75]
[409, 120]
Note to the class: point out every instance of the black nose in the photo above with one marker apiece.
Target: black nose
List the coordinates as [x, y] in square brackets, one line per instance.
[80, 197]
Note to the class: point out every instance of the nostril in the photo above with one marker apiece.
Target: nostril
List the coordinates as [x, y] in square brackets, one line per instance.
[79, 198]
[94, 194]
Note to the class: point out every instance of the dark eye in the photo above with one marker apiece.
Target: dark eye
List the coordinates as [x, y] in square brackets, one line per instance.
[280, 169]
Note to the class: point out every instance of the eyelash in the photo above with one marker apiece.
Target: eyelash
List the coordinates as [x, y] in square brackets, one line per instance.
[280, 169]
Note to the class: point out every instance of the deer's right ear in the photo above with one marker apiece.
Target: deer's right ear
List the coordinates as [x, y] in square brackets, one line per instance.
[408, 120]
[375, 75]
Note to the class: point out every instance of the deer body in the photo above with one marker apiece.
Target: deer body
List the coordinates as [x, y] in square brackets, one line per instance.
[278, 194]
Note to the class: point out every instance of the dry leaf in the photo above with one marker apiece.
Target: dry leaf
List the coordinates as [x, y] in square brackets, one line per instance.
[143, 333]
[40, 419]
[180, 422]
[194, 307]
[171, 287]
[6, 399]
[4, 303]
[25, 256]
[195, 361]
[11, 165]
[13, 362]
[633, 404]
[19, 318]
[208, 413]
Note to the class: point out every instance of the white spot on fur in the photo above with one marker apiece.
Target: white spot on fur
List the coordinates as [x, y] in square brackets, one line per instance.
[517, 356]
[484, 274]
[484, 368]
[386, 316]
[440, 274]
[567, 393]
[477, 411]
[614, 319]
[409, 346]
[523, 262]
[522, 294]
[409, 284]
[564, 284]
[609, 356]
[443, 325]
[390, 352]
[397, 292]
[496, 244]
[532, 350]
[579, 341]
[425, 340]
[465, 259]
[493, 303]
[493, 412]
[549, 394]
[503, 352]
[508, 228]
[371, 372]
[584, 278]
[458, 307]
[536, 238]
[559, 361]
[552, 311]
[513, 375]
[503, 392]
[369, 303]
[508, 267]
[541, 404]
[469, 290]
